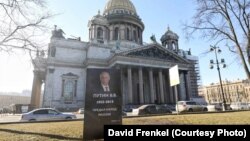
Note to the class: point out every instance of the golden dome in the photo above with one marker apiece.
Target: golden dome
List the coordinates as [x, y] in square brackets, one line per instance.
[114, 5]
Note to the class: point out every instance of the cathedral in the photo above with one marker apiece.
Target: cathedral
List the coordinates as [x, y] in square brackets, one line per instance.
[115, 41]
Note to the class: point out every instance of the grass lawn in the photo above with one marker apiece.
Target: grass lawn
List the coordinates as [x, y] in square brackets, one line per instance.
[52, 131]
[72, 130]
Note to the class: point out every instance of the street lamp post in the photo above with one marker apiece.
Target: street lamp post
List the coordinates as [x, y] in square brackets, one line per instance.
[216, 51]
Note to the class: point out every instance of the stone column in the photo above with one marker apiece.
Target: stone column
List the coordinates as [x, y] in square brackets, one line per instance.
[104, 33]
[33, 93]
[39, 90]
[36, 91]
[90, 38]
[171, 92]
[182, 87]
[161, 87]
[171, 95]
[151, 84]
[122, 31]
[141, 86]
[130, 90]
[188, 85]
[168, 93]
[122, 89]
[137, 39]
[141, 34]
[95, 32]
[111, 30]
[164, 87]
[130, 33]
[176, 93]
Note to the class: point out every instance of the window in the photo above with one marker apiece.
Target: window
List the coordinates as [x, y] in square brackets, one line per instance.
[139, 34]
[99, 33]
[52, 112]
[39, 112]
[191, 103]
[116, 35]
[68, 90]
[69, 87]
[173, 46]
[134, 36]
[127, 34]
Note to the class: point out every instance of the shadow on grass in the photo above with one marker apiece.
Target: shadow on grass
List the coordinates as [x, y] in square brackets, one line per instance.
[41, 134]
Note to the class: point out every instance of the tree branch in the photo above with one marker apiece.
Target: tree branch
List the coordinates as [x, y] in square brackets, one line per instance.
[224, 20]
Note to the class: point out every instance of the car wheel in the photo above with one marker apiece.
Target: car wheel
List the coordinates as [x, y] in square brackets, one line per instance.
[205, 109]
[190, 110]
[68, 118]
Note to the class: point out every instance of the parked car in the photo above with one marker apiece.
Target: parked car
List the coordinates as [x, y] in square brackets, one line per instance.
[239, 106]
[150, 109]
[217, 107]
[172, 107]
[214, 107]
[129, 108]
[189, 106]
[80, 111]
[124, 114]
[44, 114]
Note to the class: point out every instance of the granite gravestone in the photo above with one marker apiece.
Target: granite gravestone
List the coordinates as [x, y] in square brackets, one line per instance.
[103, 102]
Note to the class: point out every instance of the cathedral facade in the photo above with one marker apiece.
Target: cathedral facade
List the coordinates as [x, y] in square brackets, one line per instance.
[115, 41]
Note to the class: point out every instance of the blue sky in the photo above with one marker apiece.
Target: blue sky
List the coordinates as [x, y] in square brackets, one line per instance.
[157, 15]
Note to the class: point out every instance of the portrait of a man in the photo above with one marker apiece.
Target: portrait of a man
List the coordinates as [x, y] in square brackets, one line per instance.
[104, 79]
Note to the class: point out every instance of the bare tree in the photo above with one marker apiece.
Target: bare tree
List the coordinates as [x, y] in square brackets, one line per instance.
[224, 21]
[21, 23]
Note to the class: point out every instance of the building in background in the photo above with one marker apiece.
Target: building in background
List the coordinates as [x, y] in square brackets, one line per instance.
[14, 103]
[234, 91]
[115, 41]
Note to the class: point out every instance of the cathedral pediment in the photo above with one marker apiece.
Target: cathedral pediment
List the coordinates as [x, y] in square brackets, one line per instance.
[155, 52]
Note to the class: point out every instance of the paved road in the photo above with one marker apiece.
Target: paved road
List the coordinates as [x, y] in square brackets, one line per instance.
[16, 118]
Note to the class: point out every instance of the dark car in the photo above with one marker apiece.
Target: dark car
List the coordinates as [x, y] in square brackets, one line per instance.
[151, 109]
[44, 114]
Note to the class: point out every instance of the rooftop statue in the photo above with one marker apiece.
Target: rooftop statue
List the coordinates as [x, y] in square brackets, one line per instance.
[153, 39]
[57, 33]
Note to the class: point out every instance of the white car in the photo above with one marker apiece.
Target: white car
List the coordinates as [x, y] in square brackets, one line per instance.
[189, 106]
[215, 107]
[45, 114]
[239, 106]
